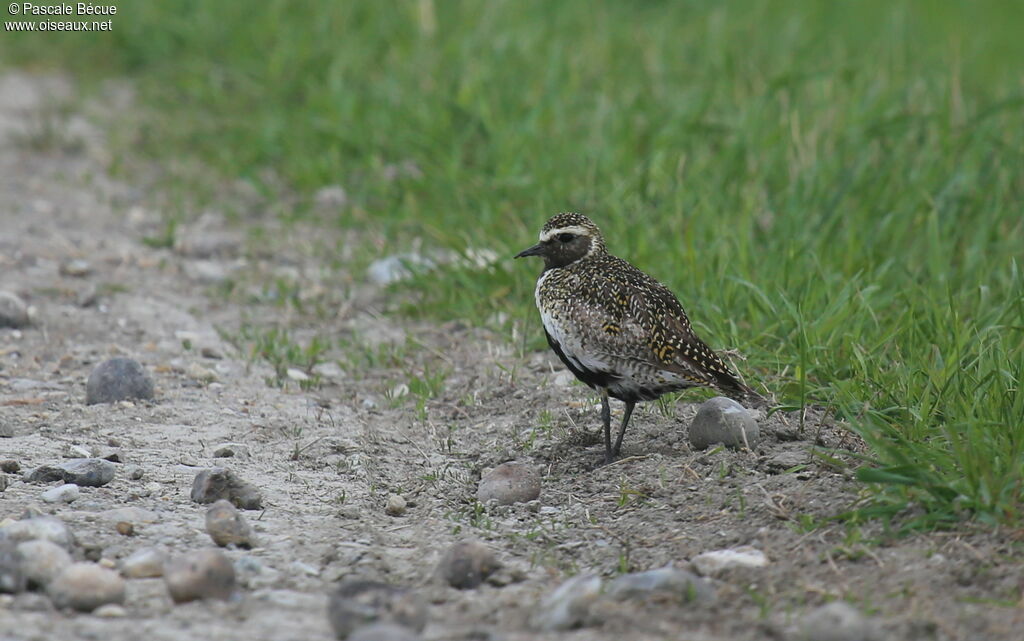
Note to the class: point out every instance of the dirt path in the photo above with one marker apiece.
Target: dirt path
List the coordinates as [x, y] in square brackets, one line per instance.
[326, 460]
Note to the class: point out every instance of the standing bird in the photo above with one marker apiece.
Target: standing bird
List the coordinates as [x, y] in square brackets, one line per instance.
[617, 329]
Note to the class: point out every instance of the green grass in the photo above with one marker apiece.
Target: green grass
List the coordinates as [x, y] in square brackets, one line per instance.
[834, 188]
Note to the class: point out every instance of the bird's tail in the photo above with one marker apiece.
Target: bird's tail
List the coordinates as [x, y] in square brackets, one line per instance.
[744, 395]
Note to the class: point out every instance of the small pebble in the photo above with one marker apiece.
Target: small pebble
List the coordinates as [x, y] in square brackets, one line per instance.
[135, 473]
[355, 604]
[509, 483]
[88, 472]
[13, 311]
[66, 493]
[717, 561]
[143, 563]
[203, 574]
[221, 483]
[723, 420]
[200, 374]
[226, 525]
[118, 379]
[46, 528]
[466, 564]
[384, 632]
[76, 268]
[229, 450]
[838, 621]
[680, 583]
[12, 576]
[42, 561]
[569, 605]
[110, 611]
[85, 587]
[76, 451]
[10, 466]
[395, 505]
[125, 528]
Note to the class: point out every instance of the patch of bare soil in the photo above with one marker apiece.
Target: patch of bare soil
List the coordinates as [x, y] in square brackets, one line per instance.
[414, 409]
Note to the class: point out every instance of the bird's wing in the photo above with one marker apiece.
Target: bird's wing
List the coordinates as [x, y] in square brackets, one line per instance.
[642, 312]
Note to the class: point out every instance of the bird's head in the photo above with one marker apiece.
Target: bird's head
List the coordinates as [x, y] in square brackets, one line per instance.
[566, 238]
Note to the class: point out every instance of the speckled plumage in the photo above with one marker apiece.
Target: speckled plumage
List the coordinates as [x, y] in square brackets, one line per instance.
[617, 329]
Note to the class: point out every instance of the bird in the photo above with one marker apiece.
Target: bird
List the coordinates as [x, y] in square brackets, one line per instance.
[616, 328]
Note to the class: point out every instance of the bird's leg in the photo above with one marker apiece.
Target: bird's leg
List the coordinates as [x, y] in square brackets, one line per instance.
[606, 419]
[622, 428]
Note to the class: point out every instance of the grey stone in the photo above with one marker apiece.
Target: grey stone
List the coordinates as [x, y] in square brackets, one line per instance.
[355, 604]
[569, 605]
[202, 574]
[509, 483]
[228, 450]
[85, 587]
[226, 525]
[466, 564]
[76, 268]
[13, 311]
[221, 483]
[88, 472]
[838, 621]
[723, 420]
[118, 379]
[42, 561]
[12, 577]
[395, 506]
[10, 466]
[44, 474]
[46, 528]
[667, 580]
[144, 563]
[715, 562]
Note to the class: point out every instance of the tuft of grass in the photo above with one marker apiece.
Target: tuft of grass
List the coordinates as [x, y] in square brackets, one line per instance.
[832, 188]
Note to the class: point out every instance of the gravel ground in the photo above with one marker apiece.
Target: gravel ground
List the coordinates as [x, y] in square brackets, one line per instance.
[362, 478]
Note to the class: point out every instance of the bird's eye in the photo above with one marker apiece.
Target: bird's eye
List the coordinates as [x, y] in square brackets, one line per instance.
[564, 238]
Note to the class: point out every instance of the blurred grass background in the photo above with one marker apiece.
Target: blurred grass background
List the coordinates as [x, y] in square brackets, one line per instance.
[834, 188]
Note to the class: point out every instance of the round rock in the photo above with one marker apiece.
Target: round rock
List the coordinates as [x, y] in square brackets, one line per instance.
[221, 483]
[569, 605]
[203, 574]
[509, 483]
[396, 505]
[226, 525]
[143, 563]
[88, 472]
[13, 311]
[466, 564]
[723, 420]
[12, 577]
[85, 587]
[355, 604]
[118, 379]
[66, 493]
[47, 528]
[42, 561]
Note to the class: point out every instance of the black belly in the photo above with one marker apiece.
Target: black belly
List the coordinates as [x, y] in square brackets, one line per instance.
[607, 380]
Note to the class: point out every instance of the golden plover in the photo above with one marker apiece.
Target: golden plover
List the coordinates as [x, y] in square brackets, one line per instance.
[617, 329]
